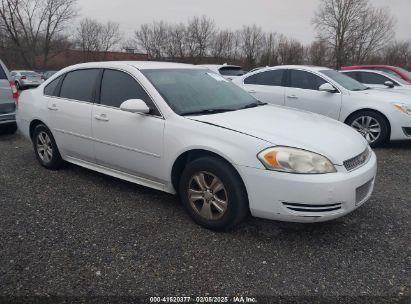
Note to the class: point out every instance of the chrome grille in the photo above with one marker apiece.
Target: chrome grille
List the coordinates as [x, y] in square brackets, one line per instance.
[312, 208]
[358, 161]
[363, 192]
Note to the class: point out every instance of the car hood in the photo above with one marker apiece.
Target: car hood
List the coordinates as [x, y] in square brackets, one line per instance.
[293, 128]
[385, 95]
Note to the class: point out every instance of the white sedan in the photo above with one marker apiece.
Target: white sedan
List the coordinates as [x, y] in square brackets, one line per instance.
[378, 115]
[380, 80]
[184, 129]
[229, 72]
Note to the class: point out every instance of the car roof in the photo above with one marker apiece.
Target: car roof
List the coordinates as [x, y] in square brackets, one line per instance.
[303, 67]
[141, 65]
[369, 66]
[219, 66]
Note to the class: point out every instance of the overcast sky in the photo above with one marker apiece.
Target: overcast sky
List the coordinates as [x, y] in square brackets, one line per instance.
[290, 17]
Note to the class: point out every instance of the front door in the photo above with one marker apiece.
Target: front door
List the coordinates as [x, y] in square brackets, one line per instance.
[128, 142]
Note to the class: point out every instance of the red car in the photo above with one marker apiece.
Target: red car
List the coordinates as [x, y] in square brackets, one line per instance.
[399, 72]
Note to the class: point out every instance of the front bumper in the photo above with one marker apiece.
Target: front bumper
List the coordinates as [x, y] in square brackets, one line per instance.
[399, 126]
[308, 198]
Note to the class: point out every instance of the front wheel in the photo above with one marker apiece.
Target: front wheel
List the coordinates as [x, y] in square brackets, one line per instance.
[372, 126]
[213, 193]
[46, 149]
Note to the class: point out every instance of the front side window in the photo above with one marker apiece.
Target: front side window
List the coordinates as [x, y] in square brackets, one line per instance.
[372, 78]
[305, 80]
[354, 75]
[117, 87]
[79, 85]
[50, 89]
[267, 78]
[189, 91]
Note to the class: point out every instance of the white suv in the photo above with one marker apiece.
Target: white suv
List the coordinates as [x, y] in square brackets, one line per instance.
[378, 115]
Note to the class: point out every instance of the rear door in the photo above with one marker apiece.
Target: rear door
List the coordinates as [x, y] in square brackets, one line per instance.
[267, 86]
[70, 101]
[7, 103]
[303, 93]
[128, 142]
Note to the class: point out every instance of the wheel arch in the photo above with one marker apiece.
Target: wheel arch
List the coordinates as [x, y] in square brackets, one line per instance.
[371, 110]
[33, 124]
[186, 157]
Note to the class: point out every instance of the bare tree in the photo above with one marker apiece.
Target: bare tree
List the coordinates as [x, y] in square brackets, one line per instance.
[200, 32]
[93, 36]
[32, 25]
[153, 39]
[251, 44]
[318, 53]
[397, 54]
[348, 25]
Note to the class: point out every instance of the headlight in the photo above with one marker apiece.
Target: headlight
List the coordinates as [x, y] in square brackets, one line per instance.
[403, 108]
[294, 160]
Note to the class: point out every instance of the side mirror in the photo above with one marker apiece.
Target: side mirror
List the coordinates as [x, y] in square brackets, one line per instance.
[389, 84]
[135, 106]
[326, 87]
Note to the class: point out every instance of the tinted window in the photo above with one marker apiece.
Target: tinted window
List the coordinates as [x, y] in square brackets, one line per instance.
[270, 78]
[79, 85]
[344, 80]
[354, 75]
[2, 73]
[50, 89]
[372, 78]
[117, 87]
[231, 71]
[305, 80]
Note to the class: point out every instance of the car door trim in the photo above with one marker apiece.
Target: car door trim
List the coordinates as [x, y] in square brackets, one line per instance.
[108, 143]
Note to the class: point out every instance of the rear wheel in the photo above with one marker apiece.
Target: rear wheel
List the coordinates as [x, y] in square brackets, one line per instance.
[372, 125]
[45, 148]
[213, 193]
[18, 87]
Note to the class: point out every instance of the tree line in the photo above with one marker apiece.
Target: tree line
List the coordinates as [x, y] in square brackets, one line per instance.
[348, 32]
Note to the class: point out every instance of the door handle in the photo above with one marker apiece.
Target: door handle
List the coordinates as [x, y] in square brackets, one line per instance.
[53, 107]
[292, 96]
[101, 117]
[252, 91]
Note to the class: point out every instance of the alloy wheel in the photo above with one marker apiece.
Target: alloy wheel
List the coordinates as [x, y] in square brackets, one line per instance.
[44, 147]
[207, 195]
[368, 127]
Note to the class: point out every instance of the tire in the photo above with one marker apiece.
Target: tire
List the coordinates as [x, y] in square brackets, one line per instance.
[9, 128]
[18, 87]
[365, 122]
[206, 207]
[46, 149]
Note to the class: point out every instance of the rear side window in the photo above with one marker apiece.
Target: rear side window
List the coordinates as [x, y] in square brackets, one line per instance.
[268, 78]
[79, 85]
[231, 71]
[51, 88]
[117, 87]
[305, 80]
[371, 78]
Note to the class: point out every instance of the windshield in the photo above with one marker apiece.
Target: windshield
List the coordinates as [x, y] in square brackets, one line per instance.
[188, 91]
[344, 80]
[404, 71]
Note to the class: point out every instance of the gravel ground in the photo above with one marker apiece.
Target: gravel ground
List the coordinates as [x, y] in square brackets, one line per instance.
[74, 232]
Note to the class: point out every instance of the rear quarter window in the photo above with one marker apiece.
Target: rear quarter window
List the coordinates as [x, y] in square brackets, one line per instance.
[51, 88]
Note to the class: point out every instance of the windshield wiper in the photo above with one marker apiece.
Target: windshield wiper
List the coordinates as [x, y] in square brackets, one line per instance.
[207, 111]
[254, 105]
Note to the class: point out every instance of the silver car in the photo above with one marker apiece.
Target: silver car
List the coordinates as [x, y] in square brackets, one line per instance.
[8, 98]
[26, 79]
